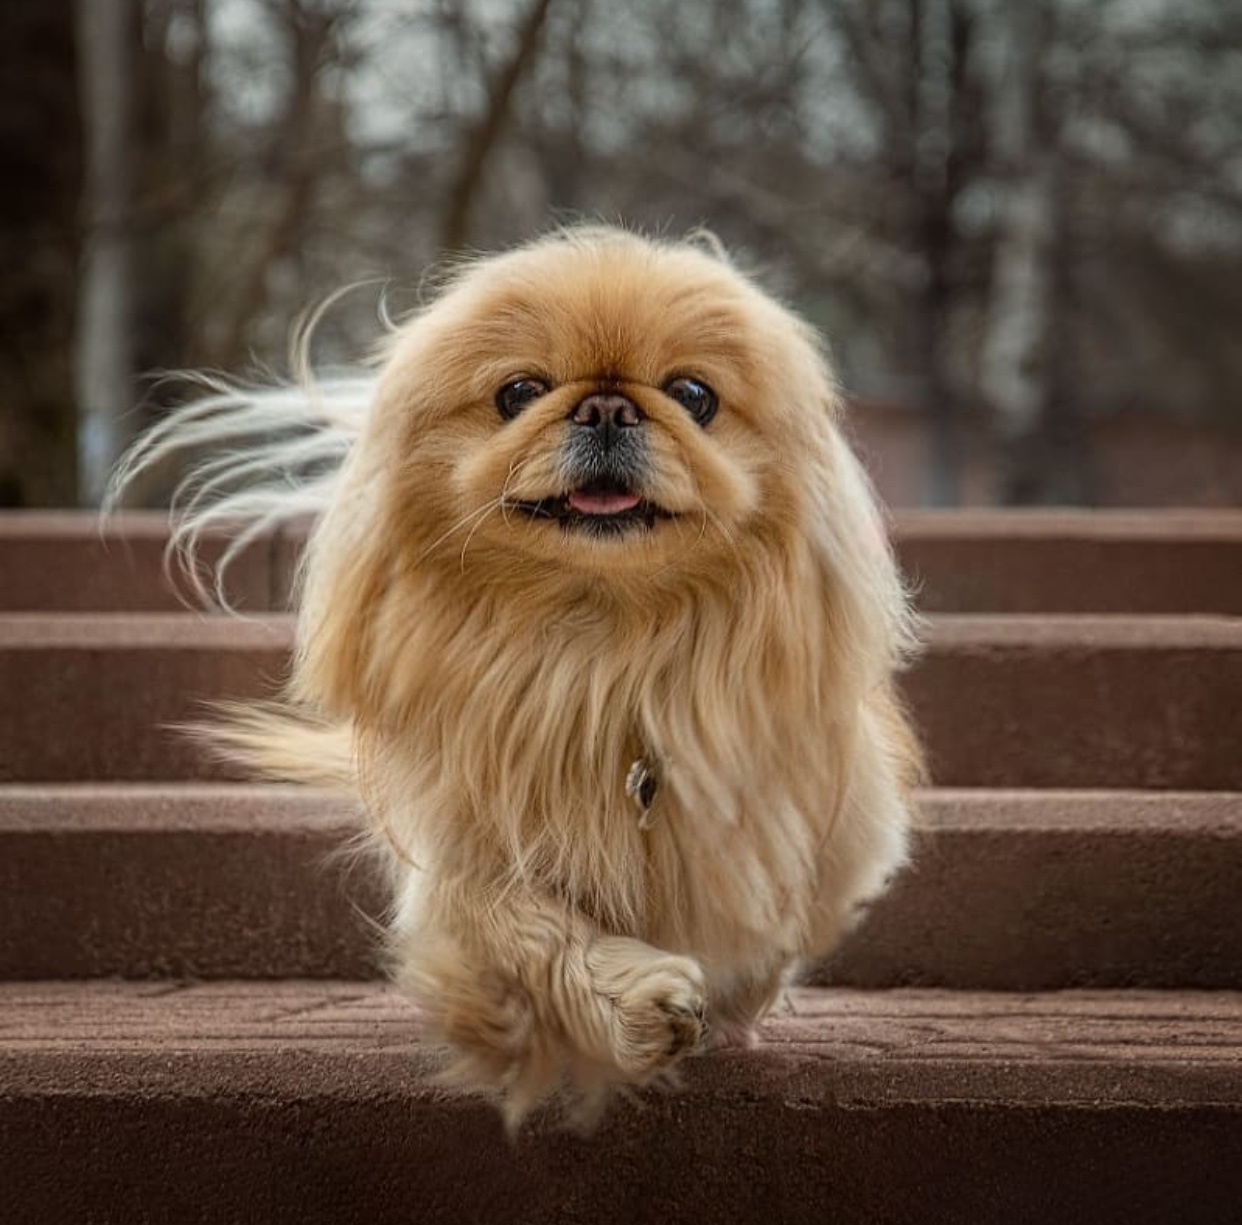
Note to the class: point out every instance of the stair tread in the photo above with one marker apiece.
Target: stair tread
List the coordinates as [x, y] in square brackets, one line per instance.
[1056, 523]
[1089, 1048]
[1223, 523]
[274, 807]
[157, 631]
[162, 630]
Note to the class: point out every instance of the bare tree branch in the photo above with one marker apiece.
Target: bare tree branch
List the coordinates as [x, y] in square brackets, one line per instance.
[461, 195]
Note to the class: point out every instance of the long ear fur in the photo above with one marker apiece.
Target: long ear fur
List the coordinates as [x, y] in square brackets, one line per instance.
[873, 615]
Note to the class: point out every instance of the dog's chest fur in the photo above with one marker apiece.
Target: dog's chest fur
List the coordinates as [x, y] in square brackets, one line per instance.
[531, 745]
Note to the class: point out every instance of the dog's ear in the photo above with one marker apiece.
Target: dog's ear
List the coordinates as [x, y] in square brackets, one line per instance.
[356, 555]
[345, 571]
[874, 628]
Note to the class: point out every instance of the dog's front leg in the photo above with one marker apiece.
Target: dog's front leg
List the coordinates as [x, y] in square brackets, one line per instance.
[530, 996]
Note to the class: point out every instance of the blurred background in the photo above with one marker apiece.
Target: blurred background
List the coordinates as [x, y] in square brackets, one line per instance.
[1019, 225]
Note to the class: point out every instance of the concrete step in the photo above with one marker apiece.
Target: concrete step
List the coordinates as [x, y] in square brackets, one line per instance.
[1002, 701]
[1010, 890]
[960, 561]
[1073, 561]
[313, 1103]
[69, 561]
[102, 693]
[1016, 701]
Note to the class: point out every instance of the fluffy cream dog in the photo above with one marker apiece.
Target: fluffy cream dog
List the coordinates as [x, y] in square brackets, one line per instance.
[600, 622]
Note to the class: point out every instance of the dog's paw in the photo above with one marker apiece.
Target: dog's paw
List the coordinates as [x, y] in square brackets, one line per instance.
[656, 1005]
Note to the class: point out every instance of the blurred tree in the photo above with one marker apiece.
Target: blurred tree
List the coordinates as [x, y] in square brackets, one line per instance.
[1015, 221]
[1022, 366]
[914, 67]
[40, 133]
[1155, 142]
[173, 172]
[104, 358]
[482, 138]
[300, 149]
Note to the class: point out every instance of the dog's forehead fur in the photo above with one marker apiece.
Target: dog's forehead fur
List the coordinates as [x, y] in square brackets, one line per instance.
[599, 304]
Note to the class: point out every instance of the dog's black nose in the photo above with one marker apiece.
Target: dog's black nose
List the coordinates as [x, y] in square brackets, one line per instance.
[607, 412]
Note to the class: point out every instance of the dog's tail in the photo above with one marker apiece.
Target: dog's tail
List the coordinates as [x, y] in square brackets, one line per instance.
[283, 744]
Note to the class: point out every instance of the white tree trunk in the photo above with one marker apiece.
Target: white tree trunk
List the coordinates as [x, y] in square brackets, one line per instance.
[1013, 368]
[1013, 373]
[105, 384]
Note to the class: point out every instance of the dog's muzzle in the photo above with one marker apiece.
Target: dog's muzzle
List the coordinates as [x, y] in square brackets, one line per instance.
[605, 469]
[607, 442]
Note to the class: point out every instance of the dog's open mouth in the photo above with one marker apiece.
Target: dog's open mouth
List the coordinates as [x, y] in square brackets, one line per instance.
[602, 506]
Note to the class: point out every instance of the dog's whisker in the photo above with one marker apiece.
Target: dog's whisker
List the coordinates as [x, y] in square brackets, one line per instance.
[478, 512]
[471, 534]
[725, 531]
[515, 467]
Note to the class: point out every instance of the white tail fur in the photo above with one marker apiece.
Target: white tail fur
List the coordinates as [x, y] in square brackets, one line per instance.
[259, 456]
[273, 456]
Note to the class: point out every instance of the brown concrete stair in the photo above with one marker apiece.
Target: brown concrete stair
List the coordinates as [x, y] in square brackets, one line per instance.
[1001, 701]
[314, 1103]
[1041, 1022]
[102, 691]
[1073, 561]
[1012, 890]
[70, 561]
[960, 561]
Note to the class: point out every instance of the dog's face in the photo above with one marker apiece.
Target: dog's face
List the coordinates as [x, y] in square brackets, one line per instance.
[604, 402]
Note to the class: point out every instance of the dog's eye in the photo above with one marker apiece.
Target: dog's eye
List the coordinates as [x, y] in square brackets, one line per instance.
[515, 396]
[696, 398]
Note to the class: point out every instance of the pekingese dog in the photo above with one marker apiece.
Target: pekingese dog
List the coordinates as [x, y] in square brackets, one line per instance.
[599, 621]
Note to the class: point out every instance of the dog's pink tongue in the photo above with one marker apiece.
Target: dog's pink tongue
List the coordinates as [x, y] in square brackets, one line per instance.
[603, 503]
